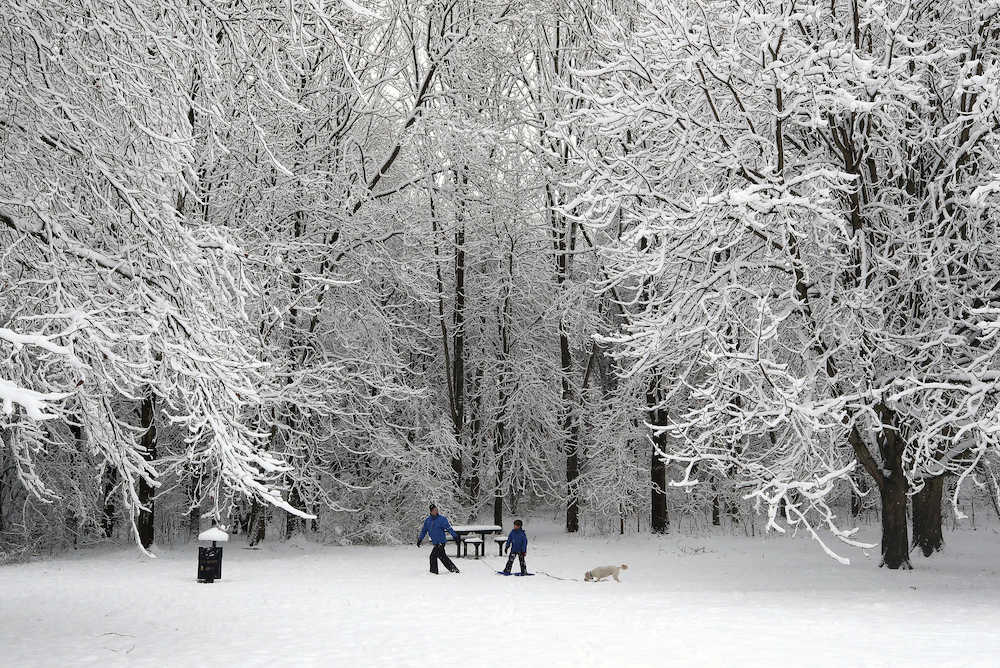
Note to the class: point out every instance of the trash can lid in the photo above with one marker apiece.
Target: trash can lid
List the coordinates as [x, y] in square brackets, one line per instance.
[215, 533]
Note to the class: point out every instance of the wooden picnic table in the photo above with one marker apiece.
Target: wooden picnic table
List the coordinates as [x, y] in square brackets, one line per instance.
[481, 529]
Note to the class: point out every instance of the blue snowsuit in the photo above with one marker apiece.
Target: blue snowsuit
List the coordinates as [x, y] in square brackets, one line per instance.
[517, 541]
[436, 527]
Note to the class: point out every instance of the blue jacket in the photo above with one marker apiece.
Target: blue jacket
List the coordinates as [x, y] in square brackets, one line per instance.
[518, 541]
[436, 526]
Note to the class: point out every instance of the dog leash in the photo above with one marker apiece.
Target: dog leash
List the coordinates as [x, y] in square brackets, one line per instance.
[556, 577]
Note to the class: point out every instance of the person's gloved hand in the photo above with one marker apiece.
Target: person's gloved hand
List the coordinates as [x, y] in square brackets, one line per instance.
[418, 543]
[506, 550]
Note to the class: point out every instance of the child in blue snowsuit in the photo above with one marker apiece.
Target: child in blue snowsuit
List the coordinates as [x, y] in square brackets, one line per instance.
[517, 543]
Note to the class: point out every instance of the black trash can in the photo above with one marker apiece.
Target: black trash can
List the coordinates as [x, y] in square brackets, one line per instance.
[210, 558]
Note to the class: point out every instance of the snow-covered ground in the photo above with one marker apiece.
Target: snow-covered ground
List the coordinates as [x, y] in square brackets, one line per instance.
[685, 600]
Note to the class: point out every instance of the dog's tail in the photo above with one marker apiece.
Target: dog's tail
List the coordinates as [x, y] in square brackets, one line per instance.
[624, 567]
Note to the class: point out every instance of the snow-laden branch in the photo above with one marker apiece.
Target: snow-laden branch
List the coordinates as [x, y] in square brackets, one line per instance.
[36, 405]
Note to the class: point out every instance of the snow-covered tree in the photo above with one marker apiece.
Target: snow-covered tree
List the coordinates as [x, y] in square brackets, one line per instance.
[807, 242]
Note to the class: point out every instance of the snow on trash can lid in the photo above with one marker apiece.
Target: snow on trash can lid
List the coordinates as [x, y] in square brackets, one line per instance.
[215, 533]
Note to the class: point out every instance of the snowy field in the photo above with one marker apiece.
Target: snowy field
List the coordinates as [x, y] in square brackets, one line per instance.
[686, 600]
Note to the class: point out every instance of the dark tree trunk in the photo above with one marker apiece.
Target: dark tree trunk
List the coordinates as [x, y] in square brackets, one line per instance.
[573, 503]
[659, 520]
[293, 523]
[498, 456]
[895, 544]
[110, 479]
[716, 515]
[893, 489]
[72, 523]
[257, 524]
[194, 522]
[498, 509]
[194, 498]
[503, 388]
[732, 510]
[927, 517]
[147, 421]
[475, 425]
[2, 487]
[563, 233]
[857, 501]
[458, 362]
[571, 429]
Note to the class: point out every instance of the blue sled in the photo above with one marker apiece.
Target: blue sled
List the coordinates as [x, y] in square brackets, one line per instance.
[515, 574]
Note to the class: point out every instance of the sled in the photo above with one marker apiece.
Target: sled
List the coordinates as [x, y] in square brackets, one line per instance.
[514, 574]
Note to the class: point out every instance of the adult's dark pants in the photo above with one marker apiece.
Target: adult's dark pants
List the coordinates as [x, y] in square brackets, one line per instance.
[510, 562]
[438, 553]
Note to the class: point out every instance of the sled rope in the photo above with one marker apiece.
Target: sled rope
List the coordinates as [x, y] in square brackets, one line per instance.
[545, 573]
[484, 561]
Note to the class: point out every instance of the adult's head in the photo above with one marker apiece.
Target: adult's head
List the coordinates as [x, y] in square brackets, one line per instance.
[434, 509]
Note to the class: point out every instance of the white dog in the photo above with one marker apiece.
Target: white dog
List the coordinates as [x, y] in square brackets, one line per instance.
[602, 572]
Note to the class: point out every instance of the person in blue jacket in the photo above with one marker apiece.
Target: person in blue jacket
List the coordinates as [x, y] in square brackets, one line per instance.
[517, 543]
[436, 525]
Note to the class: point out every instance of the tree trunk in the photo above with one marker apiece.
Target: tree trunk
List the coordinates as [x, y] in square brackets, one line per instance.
[732, 510]
[475, 424]
[572, 473]
[498, 456]
[458, 347]
[293, 522]
[258, 523]
[71, 522]
[857, 501]
[503, 393]
[194, 499]
[144, 523]
[498, 509]
[572, 431]
[895, 543]
[110, 479]
[563, 245]
[893, 489]
[658, 519]
[927, 517]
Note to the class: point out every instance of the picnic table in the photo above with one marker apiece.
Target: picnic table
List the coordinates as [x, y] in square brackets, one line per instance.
[481, 529]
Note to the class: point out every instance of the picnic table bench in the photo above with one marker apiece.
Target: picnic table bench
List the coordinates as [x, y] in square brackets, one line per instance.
[476, 542]
[482, 529]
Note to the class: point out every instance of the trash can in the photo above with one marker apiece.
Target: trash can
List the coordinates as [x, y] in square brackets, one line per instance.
[210, 558]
